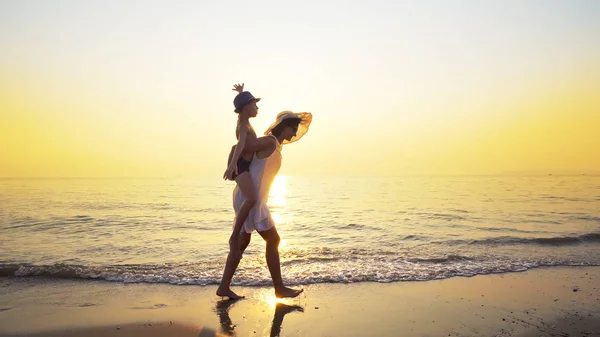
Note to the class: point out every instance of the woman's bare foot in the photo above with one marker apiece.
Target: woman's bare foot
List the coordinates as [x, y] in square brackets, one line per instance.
[228, 293]
[287, 292]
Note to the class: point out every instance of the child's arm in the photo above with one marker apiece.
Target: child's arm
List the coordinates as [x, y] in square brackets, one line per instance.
[232, 168]
[239, 88]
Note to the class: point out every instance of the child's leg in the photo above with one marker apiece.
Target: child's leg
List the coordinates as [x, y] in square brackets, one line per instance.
[244, 241]
[245, 184]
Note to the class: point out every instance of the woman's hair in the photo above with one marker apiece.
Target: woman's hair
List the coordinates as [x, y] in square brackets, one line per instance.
[291, 122]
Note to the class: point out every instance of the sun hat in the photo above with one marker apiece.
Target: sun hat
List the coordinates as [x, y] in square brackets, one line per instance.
[242, 99]
[305, 120]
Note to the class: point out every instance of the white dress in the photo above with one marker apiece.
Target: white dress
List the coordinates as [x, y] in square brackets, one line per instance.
[263, 173]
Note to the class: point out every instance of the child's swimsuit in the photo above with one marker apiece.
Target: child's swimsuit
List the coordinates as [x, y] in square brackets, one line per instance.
[243, 165]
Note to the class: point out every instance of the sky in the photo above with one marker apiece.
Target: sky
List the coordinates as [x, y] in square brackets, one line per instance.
[143, 88]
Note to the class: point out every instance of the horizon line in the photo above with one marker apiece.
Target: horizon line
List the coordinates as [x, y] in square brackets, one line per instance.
[525, 173]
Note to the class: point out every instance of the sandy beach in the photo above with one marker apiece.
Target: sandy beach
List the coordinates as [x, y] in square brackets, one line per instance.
[561, 301]
[419, 168]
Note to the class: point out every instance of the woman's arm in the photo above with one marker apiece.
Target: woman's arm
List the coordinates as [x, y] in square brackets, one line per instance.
[259, 144]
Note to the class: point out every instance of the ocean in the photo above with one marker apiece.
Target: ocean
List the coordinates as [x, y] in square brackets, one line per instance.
[333, 229]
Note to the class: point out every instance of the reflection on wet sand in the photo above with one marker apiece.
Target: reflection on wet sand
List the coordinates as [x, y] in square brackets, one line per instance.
[281, 310]
[222, 309]
[228, 328]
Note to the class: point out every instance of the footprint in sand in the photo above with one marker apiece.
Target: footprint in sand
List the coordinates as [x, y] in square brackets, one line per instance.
[156, 306]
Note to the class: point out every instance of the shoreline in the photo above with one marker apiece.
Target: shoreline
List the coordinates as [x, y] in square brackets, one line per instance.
[49, 276]
[552, 301]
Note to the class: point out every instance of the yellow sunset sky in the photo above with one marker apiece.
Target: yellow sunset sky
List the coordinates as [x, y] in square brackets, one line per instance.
[143, 88]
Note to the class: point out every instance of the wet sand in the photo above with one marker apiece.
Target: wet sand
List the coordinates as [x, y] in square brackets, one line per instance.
[541, 302]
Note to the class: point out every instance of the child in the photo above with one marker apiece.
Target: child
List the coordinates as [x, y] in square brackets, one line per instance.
[239, 160]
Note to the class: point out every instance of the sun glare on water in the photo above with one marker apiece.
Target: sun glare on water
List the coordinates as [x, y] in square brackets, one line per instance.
[278, 193]
[278, 199]
[268, 297]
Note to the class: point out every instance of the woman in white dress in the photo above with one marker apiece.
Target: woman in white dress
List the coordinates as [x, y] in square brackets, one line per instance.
[288, 128]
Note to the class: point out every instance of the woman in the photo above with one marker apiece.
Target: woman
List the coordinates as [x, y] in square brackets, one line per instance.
[288, 128]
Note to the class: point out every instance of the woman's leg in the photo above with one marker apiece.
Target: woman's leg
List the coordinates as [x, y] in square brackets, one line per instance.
[230, 268]
[272, 254]
[235, 252]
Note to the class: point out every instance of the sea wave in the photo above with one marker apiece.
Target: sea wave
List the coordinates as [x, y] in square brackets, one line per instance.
[312, 272]
[513, 240]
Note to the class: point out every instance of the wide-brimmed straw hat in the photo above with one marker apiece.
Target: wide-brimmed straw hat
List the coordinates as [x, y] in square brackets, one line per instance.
[305, 120]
